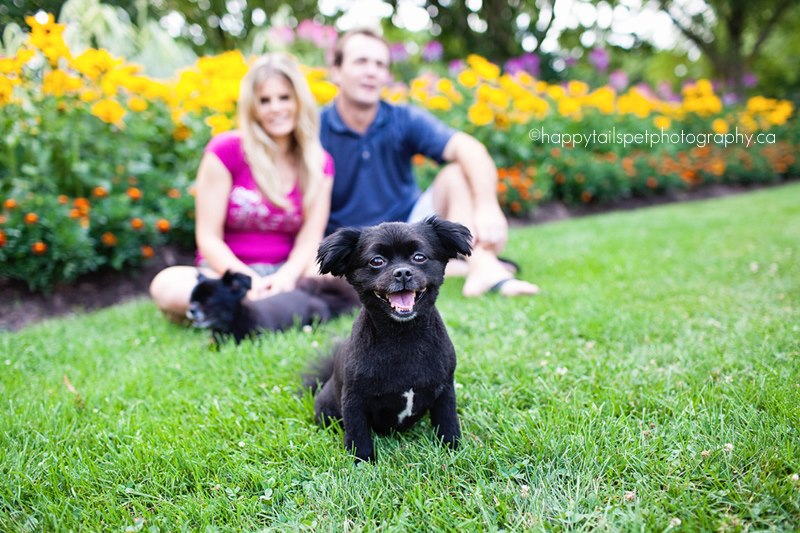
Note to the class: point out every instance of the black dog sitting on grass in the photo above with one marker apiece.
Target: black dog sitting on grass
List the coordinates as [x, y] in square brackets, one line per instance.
[222, 306]
[398, 363]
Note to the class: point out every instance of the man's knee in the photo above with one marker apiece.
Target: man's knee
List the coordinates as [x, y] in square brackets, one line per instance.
[450, 188]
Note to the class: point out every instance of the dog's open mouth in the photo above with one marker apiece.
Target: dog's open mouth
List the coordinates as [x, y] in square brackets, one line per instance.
[402, 302]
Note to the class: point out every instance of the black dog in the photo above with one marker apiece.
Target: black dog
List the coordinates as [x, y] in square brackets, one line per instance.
[220, 304]
[398, 363]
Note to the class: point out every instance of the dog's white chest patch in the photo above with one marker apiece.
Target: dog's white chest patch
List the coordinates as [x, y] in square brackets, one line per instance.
[408, 411]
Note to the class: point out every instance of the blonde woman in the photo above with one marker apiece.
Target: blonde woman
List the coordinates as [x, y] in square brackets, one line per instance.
[263, 191]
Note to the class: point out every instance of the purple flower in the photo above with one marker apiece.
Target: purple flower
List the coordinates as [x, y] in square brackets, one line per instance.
[618, 79]
[432, 51]
[281, 35]
[647, 90]
[729, 99]
[665, 92]
[319, 34]
[600, 59]
[398, 53]
[456, 66]
[749, 80]
[529, 63]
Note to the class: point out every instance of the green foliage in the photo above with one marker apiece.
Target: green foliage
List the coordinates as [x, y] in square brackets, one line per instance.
[652, 386]
[84, 179]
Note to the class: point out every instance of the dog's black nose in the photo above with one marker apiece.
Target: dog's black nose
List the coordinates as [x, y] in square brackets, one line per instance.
[402, 274]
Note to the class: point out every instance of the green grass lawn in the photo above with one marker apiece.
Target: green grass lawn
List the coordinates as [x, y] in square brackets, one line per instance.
[654, 385]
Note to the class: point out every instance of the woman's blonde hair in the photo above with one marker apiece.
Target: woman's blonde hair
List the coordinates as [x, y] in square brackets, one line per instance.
[260, 149]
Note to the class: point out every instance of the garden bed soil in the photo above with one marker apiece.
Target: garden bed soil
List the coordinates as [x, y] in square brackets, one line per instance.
[20, 307]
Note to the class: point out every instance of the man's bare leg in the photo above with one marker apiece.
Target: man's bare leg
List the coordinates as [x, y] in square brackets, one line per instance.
[453, 200]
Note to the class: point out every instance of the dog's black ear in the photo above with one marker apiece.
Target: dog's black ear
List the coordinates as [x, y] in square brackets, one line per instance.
[336, 250]
[238, 283]
[455, 238]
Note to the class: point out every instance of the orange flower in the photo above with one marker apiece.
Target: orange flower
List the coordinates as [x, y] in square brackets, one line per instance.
[418, 159]
[10, 203]
[39, 247]
[586, 197]
[163, 225]
[132, 180]
[652, 182]
[62, 199]
[147, 251]
[174, 193]
[135, 193]
[109, 239]
[2, 238]
[100, 192]
[2, 219]
[31, 218]
[181, 133]
[516, 207]
[74, 213]
[137, 223]
[501, 187]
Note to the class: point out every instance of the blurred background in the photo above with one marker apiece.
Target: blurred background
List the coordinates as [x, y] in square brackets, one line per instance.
[743, 46]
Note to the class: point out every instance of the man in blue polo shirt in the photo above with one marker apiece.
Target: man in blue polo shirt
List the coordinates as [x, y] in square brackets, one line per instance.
[372, 143]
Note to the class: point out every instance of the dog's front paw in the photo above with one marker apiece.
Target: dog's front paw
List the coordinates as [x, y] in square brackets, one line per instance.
[363, 449]
[365, 457]
[450, 439]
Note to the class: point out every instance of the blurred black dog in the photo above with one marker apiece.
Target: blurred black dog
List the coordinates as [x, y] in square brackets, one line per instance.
[398, 363]
[221, 305]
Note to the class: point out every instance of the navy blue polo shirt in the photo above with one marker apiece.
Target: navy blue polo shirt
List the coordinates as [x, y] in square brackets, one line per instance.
[374, 181]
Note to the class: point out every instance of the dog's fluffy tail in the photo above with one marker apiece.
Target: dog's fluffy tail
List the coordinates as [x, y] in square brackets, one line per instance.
[318, 373]
[340, 297]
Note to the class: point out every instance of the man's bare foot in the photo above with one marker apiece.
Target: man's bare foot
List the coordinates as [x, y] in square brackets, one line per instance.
[458, 268]
[504, 287]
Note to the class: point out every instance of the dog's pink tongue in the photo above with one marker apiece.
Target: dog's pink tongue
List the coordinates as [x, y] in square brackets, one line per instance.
[402, 301]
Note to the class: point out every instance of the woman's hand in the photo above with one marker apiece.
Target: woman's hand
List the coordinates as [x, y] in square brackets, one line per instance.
[264, 286]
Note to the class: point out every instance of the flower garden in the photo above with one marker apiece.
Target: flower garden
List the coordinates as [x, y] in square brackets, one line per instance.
[98, 160]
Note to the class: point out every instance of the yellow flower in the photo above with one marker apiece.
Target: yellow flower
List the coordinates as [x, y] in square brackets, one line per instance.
[480, 114]
[219, 124]
[568, 107]
[444, 85]
[719, 126]
[94, 63]
[483, 67]
[704, 87]
[556, 92]
[438, 103]
[109, 111]
[323, 91]
[662, 122]
[602, 99]
[6, 90]
[89, 95]
[468, 78]
[58, 82]
[137, 104]
[532, 104]
[47, 37]
[577, 88]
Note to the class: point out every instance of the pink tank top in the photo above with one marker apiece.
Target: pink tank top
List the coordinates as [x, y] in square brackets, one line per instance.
[256, 230]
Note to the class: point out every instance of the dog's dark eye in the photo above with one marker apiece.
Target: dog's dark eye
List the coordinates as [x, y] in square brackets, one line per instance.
[419, 258]
[377, 262]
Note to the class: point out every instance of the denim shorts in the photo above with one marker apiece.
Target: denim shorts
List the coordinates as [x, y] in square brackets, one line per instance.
[262, 269]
